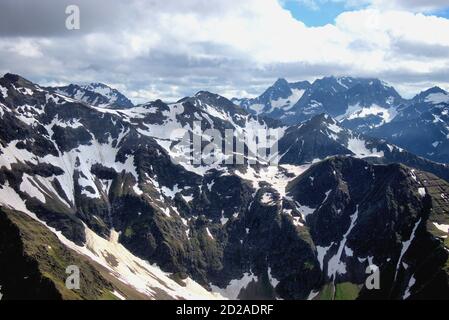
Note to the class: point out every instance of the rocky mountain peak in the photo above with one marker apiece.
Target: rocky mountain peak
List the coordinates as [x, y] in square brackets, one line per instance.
[203, 94]
[204, 99]
[281, 82]
[322, 119]
[432, 95]
[96, 94]
[98, 85]
[17, 80]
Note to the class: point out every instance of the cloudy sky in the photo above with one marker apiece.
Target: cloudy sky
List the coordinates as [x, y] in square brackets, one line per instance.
[172, 48]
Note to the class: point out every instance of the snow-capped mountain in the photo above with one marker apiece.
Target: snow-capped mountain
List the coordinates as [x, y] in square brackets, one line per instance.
[432, 96]
[115, 191]
[422, 126]
[96, 94]
[359, 103]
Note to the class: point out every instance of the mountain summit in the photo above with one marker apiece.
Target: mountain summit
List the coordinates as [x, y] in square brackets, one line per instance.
[276, 100]
[97, 94]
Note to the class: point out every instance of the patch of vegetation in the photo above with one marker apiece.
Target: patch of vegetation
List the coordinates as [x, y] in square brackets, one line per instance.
[346, 291]
[108, 295]
[327, 293]
[129, 232]
[308, 265]
[342, 291]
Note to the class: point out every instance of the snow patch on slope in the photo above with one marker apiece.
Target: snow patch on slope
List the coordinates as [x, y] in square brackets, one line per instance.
[358, 147]
[234, 287]
[335, 265]
[442, 227]
[406, 246]
[4, 92]
[437, 98]
[357, 111]
[286, 103]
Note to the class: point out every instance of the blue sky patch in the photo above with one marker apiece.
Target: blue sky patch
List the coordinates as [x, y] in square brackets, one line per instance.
[319, 13]
[314, 16]
[444, 13]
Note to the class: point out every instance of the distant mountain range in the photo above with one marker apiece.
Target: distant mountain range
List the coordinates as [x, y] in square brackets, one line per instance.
[112, 189]
[369, 106]
[360, 103]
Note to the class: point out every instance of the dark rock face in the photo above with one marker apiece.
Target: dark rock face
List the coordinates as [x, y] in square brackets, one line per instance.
[377, 217]
[248, 231]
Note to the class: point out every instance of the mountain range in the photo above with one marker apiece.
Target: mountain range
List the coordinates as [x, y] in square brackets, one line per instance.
[368, 106]
[88, 179]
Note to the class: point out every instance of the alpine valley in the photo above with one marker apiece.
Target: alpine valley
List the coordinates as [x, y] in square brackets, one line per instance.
[89, 179]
